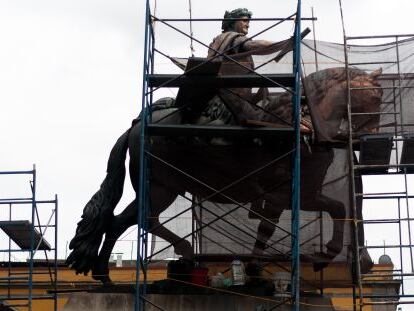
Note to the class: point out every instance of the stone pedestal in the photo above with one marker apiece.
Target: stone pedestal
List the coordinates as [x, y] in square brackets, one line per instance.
[99, 302]
[216, 302]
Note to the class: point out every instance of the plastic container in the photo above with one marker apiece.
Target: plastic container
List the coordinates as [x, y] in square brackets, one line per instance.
[217, 280]
[237, 272]
[282, 281]
[227, 282]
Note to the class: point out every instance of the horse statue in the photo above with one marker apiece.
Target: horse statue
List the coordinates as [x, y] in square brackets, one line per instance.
[202, 159]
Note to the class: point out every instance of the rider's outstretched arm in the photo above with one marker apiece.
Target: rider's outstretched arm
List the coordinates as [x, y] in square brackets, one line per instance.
[261, 47]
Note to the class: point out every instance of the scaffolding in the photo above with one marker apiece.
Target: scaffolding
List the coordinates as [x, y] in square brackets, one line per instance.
[194, 76]
[389, 153]
[27, 236]
[369, 154]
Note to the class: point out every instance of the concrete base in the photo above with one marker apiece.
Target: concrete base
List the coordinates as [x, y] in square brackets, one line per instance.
[228, 302]
[115, 302]
[99, 302]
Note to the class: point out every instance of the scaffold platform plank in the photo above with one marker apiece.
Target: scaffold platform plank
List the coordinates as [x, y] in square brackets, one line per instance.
[407, 154]
[375, 149]
[219, 131]
[19, 232]
[228, 81]
[26, 297]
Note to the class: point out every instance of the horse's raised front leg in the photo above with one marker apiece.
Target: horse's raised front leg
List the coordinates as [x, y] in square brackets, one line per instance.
[117, 227]
[365, 259]
[337, 212]
[265, 229]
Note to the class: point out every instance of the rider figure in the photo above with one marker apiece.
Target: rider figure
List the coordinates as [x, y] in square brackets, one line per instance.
[233, 41]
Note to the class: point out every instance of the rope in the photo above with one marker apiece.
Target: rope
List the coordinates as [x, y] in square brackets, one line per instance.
[342, 18]
[272, 219]
[153, 20]
[255, 297]
[223, 290]
[191, 29]
[237, 293]
[128, 233]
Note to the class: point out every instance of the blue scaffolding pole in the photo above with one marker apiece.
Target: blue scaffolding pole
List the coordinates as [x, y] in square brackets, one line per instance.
[32, 228]
[30, 245]
[295, 264]
[143, 180]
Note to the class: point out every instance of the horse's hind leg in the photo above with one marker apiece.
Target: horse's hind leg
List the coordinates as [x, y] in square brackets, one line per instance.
[336, 210]
[265, 229]
[117, 227]
[181, 246]
[161, 199]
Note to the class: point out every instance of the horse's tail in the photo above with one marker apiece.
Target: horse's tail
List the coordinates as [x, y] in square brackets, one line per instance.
[99, 211]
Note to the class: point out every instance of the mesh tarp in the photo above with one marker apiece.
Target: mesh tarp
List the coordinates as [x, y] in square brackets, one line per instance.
[325, 185]
[228, 223]
[393, 58]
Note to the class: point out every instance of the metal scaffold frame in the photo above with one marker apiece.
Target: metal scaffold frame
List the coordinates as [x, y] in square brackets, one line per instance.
[29, 237]
[152, 82]
[397, 135]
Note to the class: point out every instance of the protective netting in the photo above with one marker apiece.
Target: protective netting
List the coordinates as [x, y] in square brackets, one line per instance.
[326, 217]
[259, 203]
[237, 232]
[396, 59]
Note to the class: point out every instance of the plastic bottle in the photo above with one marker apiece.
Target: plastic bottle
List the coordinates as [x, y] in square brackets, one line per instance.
[238, 273]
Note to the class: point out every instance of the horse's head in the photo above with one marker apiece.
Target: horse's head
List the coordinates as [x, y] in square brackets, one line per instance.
[327, 93]
[366, 94]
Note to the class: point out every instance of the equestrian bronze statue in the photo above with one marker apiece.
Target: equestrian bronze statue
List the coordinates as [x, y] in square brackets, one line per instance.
[203, 159]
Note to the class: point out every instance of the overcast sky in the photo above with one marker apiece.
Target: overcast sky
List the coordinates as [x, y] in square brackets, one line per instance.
[70, 79]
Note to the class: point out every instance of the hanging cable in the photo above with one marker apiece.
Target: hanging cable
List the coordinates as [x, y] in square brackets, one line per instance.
[191, 29]
[342, 18]
[314, 42]
[153, 20]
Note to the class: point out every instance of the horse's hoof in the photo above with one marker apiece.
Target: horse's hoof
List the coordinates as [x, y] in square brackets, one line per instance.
[108, 282]
[333, 248]
[104, 278]
[366, 262]
[320, 261]
[319, 266]
[101, 274]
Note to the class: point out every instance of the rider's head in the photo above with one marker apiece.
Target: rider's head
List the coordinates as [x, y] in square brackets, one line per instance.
[241, 26]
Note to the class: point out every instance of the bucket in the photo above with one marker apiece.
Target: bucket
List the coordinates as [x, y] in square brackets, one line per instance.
[199, 276]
